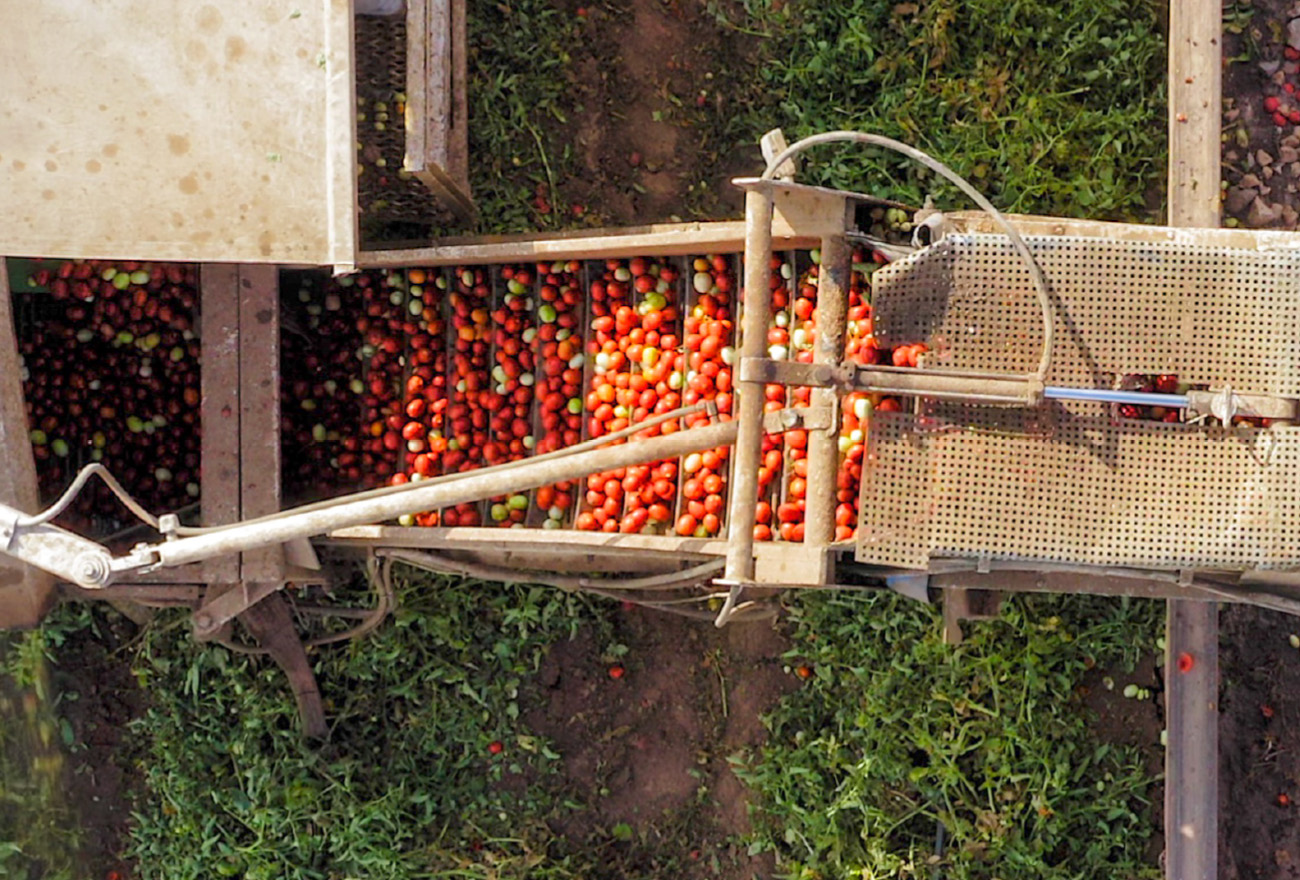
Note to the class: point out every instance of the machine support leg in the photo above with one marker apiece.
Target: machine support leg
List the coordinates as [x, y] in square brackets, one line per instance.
[26, 593]
[823, 444]
[1192, 753]
[749, 401]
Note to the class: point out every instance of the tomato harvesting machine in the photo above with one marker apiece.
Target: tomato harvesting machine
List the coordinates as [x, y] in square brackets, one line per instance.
[837, 391]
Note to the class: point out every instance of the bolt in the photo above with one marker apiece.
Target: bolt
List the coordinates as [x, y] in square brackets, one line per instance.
[203, 621]
[92, 571]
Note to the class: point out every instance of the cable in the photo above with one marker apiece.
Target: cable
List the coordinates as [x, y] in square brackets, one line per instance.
[381, 583]
[606, 588]
[1040, 283]
[79, 483]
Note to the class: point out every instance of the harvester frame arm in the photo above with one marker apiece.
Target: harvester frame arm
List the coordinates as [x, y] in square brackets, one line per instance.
[33, 540]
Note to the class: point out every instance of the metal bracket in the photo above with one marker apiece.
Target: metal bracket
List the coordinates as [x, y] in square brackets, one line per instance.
[765, 370]
[808, 418]
[168, 523]
[9, 517]
[773, 143]
[55, 550]
[968, 387]
[1225, 403]
[217, 612]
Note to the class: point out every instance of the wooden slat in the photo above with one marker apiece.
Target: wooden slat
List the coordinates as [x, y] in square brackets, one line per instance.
[437, 137]
[259, 411]
[219, 289]
[658, 240]
[1191, 697]
[558, 542]
[25, 592]
[417, 56]
[1195, 113]
[458, 128]
[1070, 582]
[437, 73]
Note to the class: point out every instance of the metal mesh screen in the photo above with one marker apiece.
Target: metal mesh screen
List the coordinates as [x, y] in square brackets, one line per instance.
[1209, 314]
[1061, 486]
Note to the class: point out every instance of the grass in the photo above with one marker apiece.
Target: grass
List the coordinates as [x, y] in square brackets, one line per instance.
[898, 733]
[1056, 108]
[39, 836]
[407, 787]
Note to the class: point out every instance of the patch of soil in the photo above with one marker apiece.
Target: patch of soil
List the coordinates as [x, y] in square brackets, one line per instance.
[1259, 745]
[652, 87]
[1261, 152]
[99, 778]
[1259, 725]
[1135, 723]
[648, 750]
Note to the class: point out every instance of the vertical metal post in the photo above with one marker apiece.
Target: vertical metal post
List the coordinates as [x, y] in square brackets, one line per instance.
[749, 404]
[259, 411]
[1191, 696]
[219, 412]
[1192, 754]
[823, 445]
[26, 593]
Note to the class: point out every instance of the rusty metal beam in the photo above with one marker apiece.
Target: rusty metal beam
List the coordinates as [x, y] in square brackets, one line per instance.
[828, 350]
[26, 593]
[1191, 697]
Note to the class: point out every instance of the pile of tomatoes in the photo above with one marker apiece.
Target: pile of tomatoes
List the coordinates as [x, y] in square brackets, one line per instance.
[110, 371]
[477, 366]
[710, 356]
[635, 373]
[561, 359]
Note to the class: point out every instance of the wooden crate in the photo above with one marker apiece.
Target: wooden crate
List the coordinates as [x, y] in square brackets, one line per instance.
[437, 107]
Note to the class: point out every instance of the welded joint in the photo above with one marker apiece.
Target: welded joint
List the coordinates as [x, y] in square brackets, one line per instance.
[766, 371]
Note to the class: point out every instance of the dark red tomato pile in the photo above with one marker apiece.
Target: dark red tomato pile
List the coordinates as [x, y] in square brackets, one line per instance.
[424, 399]
[346, 346]
[111, 374]
[514, 321]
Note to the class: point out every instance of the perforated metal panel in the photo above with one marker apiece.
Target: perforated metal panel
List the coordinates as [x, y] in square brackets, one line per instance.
[1058, 486]
[1209, 314]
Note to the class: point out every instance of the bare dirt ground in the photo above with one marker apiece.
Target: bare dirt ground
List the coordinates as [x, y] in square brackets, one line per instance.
[650, 88]
[647, 750]
[1259, 728]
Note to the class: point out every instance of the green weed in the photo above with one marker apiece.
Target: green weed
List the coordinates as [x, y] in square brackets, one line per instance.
[1051, 107]
[39, 835]
[408, 785]
[897, 733]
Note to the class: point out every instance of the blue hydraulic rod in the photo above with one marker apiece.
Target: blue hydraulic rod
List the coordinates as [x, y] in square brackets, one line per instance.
[1110, 395]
